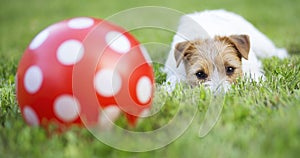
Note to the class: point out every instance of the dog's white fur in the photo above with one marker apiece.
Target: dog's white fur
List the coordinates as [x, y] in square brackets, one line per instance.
[207, 24]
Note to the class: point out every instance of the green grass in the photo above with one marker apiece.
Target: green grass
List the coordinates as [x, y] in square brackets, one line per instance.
[257, 120]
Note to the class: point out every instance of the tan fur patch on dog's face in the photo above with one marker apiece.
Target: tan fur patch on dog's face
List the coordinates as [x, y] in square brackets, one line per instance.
[212, 60]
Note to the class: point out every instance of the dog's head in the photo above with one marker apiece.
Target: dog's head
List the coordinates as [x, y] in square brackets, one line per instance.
[213, 62]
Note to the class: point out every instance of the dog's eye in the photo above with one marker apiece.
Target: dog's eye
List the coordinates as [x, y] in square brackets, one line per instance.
[201, 75]
[230, 70]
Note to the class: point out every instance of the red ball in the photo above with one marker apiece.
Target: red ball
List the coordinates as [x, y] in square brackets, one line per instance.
[76, 69]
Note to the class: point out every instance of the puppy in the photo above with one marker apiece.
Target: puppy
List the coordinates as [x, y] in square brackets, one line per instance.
[216, 47]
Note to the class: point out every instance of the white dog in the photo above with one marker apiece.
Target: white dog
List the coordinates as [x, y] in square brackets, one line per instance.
[216, 47]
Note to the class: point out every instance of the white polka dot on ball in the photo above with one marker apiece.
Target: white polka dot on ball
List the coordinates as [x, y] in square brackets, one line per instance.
[70, 52]
[80, 23]
[39, 39]
[117, 42]
[110, 113]
[107, 82]
[33, 79]
[145, 113]
[66, 108]
[144, 89]
[108, 116]
[30, 116]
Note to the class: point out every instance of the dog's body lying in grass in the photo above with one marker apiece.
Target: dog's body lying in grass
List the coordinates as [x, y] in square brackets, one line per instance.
[216, 47]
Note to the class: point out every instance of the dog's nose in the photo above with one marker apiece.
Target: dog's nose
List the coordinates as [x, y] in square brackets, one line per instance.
[217, 87]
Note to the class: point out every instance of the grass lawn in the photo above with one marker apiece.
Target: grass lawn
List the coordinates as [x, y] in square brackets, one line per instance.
[257, 120]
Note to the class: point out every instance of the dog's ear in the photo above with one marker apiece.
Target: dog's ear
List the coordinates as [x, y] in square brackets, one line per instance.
[182, 51]
[242, 44]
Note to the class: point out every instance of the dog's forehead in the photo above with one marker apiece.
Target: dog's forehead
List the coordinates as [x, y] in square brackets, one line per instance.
[212, 54]
[211, 49]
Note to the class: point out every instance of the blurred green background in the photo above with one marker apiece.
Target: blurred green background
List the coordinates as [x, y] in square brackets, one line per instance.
[21, 20]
